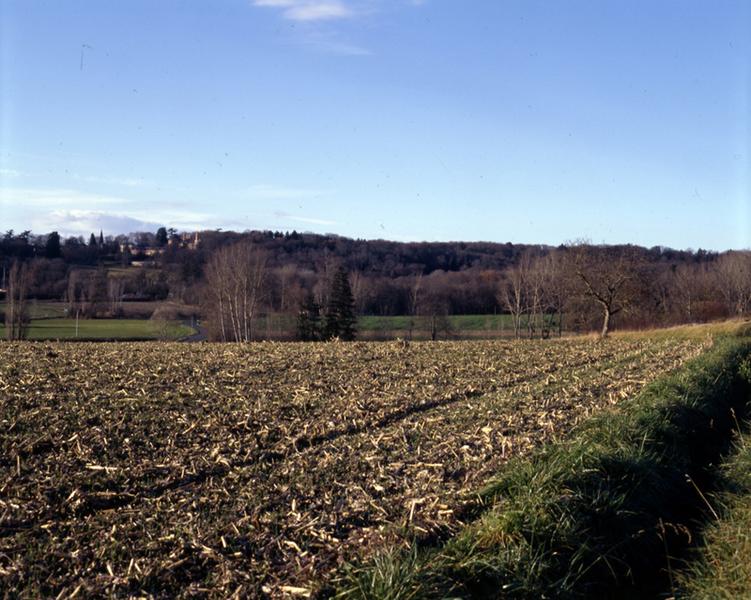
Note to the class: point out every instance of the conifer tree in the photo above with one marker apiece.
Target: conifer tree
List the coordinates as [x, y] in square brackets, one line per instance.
[309, 320]
[340, 312]
[161, 236]
[52, 246]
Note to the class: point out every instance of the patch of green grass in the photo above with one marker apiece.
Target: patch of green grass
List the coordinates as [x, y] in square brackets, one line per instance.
[496, 322]
[104, 329]
[456, 322]
[723, 569]
[374, 323]
[39, 309]
[730, 327]
[400, 325]
[591, 517]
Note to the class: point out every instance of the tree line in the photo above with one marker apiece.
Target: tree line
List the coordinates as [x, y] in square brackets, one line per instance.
[238, 277]
[579, 287]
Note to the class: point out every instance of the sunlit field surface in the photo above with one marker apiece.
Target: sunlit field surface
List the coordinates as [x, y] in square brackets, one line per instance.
[206, 469]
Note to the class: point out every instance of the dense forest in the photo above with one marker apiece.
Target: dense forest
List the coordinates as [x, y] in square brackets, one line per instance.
[593, 286]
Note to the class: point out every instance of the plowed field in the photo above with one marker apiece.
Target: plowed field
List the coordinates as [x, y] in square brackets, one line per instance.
[211, 470]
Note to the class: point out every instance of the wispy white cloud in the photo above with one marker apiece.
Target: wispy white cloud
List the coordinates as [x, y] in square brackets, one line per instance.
[117, 181]
[329, 43]
[275, 192]
[73, 212]
[54, 198]
[326, 10]
[121, 181]
[7, 173]
[309, 220]
[77, 212]
[82, 222]
[320, 14]
[317, 11]
[309, 10]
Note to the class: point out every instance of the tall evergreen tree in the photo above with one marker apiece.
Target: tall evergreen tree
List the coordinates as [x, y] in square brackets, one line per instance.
[52, 247]
[309, 320]
[161, 236]
[340, 312]
[92, 241]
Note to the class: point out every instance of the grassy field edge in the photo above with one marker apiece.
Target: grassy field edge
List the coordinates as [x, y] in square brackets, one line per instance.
[721, 569]
[105, 330]
[596, 515]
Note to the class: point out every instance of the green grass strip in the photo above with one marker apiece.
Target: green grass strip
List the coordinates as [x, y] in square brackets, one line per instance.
[595, 516]
[103, 329]
[722, 569]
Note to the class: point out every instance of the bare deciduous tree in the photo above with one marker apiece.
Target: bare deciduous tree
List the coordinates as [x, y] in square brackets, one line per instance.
[414, 299]
[115, 289]
[359, 284]
[688, 287]
[433, 306]
[534, 293]
[557, 289]
[285, 278]
[235, 277]
[511, 295]
[733, 277]
[607, 275]
[16, 314]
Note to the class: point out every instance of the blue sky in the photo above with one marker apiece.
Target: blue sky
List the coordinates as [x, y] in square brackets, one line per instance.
[523, 121]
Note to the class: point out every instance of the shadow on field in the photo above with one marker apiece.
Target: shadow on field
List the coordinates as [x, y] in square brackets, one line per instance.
[610, 514]
[97, 501]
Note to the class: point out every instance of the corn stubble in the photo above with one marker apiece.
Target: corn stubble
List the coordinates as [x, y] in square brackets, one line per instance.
[175, 470]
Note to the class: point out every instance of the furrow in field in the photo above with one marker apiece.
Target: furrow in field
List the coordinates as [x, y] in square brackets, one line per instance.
[178, 468]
